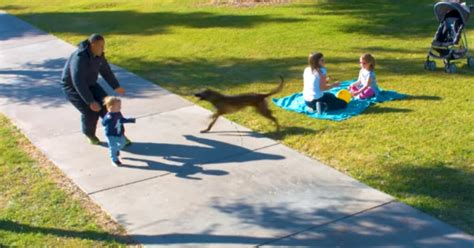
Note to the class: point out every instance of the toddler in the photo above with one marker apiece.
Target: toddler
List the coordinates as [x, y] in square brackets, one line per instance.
[114, 130]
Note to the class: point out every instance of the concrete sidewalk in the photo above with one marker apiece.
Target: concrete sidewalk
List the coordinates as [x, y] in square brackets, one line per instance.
[231, 187]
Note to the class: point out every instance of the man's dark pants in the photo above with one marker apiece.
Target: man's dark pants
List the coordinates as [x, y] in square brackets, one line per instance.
[89, 118]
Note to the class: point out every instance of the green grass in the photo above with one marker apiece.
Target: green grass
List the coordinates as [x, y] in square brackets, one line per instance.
[34, 211]
[419, 150]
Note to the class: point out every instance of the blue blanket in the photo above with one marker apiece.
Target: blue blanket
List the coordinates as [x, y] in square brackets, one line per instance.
[296, 103]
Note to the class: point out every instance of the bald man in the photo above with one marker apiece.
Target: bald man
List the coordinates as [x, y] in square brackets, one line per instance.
[79, 80]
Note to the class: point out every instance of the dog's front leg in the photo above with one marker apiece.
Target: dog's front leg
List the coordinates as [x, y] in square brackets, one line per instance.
[214, 119]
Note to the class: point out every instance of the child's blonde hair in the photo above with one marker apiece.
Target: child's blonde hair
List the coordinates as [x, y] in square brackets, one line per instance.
[369, 59]
[109, 101]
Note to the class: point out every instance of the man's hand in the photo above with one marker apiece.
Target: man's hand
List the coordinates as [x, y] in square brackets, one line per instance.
[120, 91]
[95, 106]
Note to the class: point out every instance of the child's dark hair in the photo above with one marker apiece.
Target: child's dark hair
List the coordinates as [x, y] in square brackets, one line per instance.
[95, 37]
[313, 60]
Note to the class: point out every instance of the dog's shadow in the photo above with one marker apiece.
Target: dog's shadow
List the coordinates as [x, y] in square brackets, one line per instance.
[278, 135]
[187, 160]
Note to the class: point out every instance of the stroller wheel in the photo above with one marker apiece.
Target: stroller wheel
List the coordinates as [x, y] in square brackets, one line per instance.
[430, 65]
[470, 62]
[450, 68]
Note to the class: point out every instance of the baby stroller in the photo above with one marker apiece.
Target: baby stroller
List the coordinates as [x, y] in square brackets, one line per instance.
[450, 42]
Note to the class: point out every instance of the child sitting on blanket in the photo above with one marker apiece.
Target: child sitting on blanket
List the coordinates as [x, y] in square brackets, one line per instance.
[315, 85]
[366, 85]
[114, 130]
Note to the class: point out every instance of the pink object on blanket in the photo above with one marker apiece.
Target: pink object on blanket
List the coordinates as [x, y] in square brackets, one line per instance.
[368, 93]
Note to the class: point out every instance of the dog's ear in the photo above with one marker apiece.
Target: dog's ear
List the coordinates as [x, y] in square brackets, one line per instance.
[201, 93]
[198, 91]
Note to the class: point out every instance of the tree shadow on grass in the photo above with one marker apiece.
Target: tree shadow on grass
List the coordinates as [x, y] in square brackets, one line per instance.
[405, 18]
[444, 190]
[422, 98]
[387, 49]
[186, 76]
[11, 7]
[288, 226]
[145, 23]
[375, 109]
[12, 226]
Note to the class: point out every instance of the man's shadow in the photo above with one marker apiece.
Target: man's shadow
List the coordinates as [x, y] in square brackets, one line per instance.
[192, 158]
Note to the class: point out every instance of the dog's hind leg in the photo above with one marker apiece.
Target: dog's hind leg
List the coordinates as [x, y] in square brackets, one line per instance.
[263, 109]
[214, 119]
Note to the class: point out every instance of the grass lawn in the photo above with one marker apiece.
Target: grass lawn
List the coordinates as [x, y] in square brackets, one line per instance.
[34, 211]
[419, 150]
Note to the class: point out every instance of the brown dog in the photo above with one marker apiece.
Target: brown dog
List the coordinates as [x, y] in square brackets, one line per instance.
[228, 104]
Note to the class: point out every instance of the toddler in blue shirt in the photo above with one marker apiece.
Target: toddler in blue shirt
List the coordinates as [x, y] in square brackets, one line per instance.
[114, 130]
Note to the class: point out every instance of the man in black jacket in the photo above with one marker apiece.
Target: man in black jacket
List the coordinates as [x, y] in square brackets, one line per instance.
[79, 80]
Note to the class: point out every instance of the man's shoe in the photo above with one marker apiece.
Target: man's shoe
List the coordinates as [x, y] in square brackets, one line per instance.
[128, 142]
[93, 140]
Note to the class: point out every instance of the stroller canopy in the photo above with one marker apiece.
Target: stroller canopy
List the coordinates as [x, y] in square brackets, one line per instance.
[441, 9]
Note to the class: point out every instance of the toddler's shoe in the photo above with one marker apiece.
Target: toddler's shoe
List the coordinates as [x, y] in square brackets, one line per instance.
[127, 142]
[116, 163]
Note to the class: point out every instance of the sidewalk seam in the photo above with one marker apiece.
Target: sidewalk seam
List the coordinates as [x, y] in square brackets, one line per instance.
[328, 223]
[126, 184]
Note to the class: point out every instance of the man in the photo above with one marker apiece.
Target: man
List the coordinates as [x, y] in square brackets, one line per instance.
[79, 80]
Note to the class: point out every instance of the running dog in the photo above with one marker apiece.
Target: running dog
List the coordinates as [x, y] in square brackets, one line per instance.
[225, 104]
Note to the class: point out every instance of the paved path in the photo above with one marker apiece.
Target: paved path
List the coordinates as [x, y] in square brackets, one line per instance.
[230, 187]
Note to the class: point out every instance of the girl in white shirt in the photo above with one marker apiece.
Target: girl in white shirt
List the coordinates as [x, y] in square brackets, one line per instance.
[366, 85]
[315, 83]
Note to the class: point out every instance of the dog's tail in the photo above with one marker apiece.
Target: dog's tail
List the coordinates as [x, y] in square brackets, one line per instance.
[278, 89]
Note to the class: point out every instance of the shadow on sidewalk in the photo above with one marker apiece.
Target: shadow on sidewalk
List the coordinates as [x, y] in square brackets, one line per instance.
[322, 227]
[186, 158]
[34, 84]
[277, 135]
